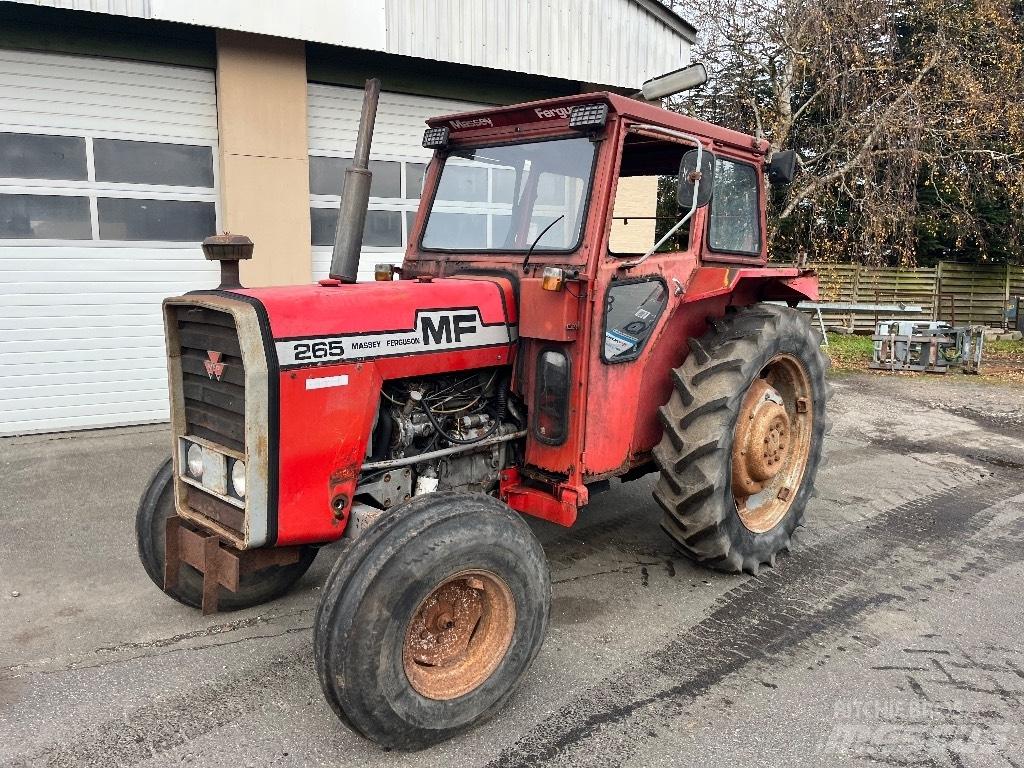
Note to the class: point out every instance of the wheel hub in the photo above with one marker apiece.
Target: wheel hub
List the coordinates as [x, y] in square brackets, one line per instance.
[771, 443]
[762, 439]
[459, 635]
[442, 628]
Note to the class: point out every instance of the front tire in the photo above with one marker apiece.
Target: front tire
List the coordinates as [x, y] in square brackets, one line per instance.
[155, 506]
[742, 440]
[429, 620]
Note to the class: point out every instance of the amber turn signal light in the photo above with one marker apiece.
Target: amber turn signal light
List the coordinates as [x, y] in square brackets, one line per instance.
[554, 279]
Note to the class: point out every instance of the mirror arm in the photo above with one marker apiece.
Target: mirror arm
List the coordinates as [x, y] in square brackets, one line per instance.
[696, 192]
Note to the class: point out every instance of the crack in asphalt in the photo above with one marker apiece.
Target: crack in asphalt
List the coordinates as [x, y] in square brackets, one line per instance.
[997, 457]
[163, 642]
[162, 725]
[169, 651]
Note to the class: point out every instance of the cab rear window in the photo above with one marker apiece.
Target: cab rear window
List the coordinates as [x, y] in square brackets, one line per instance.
[735, 212]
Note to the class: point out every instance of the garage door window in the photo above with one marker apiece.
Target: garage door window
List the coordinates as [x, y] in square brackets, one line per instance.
[147, 162]
[30, 156]
[57, 188]
[383, 229]
[167, 220]
[394, 196]
[414, 175]
[327, 176]
[44, 217]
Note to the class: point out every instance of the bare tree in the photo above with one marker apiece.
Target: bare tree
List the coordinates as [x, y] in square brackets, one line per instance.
[881, 99]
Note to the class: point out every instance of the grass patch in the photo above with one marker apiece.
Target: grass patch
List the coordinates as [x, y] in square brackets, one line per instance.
[1010, 351]
[1002, 361]
[849, 353]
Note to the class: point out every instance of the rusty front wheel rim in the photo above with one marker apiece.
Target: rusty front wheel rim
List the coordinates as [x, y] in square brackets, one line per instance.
[772, 443]
[459, 635]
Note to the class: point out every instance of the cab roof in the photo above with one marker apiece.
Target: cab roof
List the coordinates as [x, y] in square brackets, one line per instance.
[552, 114]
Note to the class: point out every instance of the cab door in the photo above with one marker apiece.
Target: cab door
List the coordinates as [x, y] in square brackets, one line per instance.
[636, 327]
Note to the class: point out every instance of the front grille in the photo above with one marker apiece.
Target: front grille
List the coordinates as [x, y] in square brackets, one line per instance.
[214, 409]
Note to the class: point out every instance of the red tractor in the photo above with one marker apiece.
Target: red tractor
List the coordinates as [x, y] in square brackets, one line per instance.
[531, 347]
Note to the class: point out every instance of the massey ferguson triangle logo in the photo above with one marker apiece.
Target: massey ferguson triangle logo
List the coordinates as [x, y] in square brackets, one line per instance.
[214, 367]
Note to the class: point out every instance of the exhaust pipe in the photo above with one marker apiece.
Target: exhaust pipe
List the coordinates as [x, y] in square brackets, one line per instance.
[355, 195]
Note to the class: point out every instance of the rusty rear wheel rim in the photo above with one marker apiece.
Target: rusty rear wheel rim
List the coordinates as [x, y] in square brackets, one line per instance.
[459, 635]
[772, 443]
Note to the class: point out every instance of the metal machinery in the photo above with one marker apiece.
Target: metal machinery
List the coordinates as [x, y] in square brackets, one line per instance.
[927, 347]
[514, 363]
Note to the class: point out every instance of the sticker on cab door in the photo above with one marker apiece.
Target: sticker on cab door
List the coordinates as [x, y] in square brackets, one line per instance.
[616, 342]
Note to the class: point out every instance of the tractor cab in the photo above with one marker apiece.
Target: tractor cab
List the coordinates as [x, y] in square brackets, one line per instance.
[582, 182]
[605, 214]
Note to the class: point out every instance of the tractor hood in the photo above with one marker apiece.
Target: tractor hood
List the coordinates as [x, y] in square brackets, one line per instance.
[314, 325]
[288, 380]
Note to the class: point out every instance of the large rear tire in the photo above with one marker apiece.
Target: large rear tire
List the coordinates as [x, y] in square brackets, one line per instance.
[429, 620]
[742, 440]
[155, 506]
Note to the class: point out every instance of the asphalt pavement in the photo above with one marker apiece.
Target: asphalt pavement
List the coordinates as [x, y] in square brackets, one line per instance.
[891, 635]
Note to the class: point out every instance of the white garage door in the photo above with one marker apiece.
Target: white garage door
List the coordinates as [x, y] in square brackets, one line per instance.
[397, 166]
[107, 185]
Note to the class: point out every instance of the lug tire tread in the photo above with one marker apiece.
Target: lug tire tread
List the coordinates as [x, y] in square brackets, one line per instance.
[351, 612]
[695, 452]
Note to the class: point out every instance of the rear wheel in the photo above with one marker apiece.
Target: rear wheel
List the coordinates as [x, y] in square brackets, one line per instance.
[430, 618]
[155, 506]
[742, 439]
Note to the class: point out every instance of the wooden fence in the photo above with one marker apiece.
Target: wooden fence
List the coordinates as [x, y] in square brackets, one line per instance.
[957, 293]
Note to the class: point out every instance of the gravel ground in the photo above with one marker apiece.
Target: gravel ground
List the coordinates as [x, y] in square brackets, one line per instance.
[890, 636]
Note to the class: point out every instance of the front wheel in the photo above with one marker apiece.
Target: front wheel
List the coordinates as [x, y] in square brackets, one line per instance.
[742, 440]
[430, 618]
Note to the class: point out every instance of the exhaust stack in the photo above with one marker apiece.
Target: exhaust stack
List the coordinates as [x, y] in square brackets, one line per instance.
[355, 195]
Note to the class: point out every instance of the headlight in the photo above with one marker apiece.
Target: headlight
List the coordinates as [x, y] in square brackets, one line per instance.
[194, 460]
[238, 478]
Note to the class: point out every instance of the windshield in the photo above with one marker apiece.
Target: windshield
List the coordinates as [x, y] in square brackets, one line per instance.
[501, 198]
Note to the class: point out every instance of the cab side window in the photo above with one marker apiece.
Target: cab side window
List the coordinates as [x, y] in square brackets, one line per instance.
[632, 309]
[645, 199]
[735, 214]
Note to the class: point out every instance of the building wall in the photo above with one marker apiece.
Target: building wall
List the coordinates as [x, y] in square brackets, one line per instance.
[264, 165]
[612, 42]
[618, 43]
[635, 196]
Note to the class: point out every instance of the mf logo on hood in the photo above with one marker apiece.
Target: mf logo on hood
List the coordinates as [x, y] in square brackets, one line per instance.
[214, 366]
[443, 329]
[435, 330]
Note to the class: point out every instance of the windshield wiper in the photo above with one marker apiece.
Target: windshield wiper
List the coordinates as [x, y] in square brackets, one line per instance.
[544, 231]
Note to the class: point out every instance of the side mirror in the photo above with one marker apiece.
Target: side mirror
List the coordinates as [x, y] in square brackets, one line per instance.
[687, 170]
[782, 168]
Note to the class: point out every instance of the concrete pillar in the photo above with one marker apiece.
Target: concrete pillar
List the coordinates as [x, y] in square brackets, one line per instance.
[264, 163]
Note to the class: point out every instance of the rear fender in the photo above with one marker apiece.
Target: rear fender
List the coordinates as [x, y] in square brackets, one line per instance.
[747, 286]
